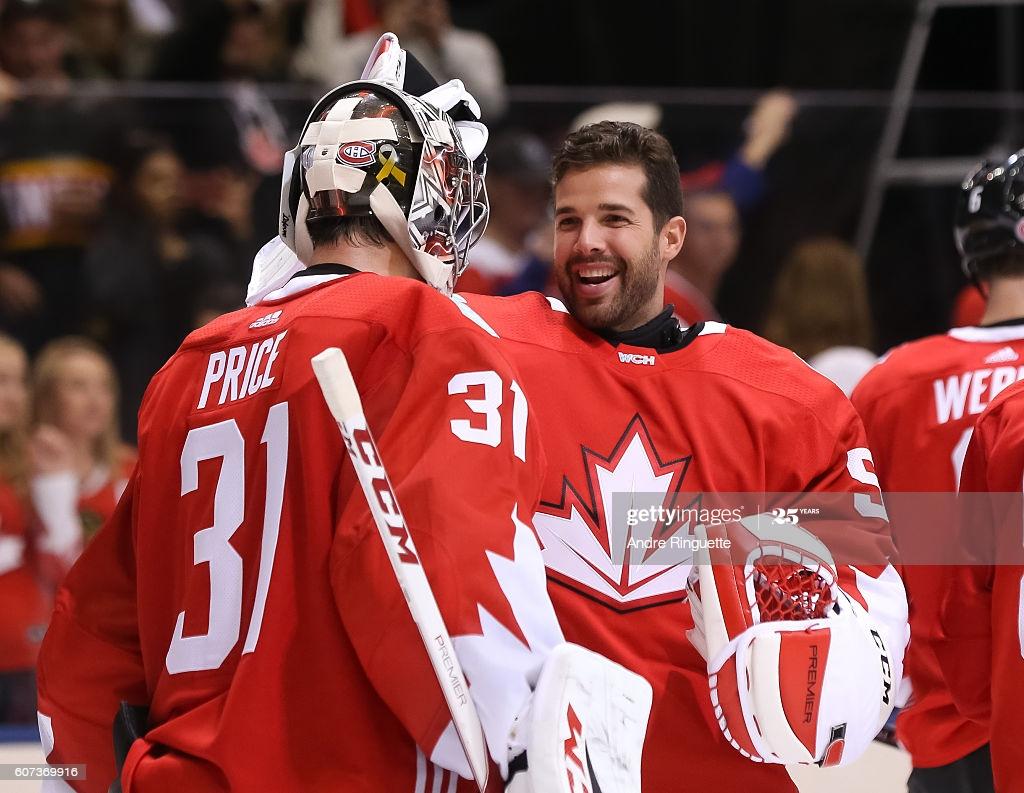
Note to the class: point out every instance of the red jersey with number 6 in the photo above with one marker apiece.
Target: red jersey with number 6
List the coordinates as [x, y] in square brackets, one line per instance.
[919, 405]
[241, 590]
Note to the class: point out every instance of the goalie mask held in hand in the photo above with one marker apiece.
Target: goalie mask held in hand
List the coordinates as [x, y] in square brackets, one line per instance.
[369, 148]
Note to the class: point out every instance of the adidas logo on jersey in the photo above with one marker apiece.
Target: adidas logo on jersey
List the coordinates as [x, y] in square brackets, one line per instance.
[269, 319]
[1002, 355]
[632, 357]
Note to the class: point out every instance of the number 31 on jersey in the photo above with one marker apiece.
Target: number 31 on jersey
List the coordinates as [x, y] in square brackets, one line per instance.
[488, 405]
[212, 545]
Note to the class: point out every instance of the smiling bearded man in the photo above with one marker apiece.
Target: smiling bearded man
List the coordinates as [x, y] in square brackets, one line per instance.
[637, 412]
[615, 224]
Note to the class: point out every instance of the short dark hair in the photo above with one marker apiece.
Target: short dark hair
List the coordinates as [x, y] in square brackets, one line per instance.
[1009, 264]
[16, 11]
[715, 191]
[358, 230]
[625, 143]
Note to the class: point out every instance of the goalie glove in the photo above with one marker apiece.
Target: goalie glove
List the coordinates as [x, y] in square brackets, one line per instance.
[798, 671]
[583, 729]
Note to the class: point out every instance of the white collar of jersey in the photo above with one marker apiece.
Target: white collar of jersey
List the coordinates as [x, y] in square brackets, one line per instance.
[712, 328]
[1001, 333]
[298, 285]
[272, 266]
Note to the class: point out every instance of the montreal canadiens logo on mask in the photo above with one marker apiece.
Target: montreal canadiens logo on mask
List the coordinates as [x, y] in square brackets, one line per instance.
[359, 153]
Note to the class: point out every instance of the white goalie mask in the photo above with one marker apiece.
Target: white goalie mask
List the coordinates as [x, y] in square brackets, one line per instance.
[369, 148]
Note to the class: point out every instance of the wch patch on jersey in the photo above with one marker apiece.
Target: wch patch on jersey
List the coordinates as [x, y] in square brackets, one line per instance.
[240, 371]
[637, 358]
[586, 548]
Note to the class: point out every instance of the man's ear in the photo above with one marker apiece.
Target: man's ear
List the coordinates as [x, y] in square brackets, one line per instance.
[672, 235]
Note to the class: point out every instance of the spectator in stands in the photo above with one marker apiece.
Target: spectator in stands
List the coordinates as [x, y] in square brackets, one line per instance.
[713, 235]
[742, 176]
[53, 176]
[425, 29]
[230, 203]
[253, 48]
[233, 148]
[224, 40]
[105, 42]
[79, 464]
[505, 261]
[715, 198]
[820, 310]
[24, 607]
[217, 299]
[145, 270]
[324, 23]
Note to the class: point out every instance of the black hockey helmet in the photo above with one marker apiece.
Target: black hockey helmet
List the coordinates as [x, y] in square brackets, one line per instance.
[990, 212]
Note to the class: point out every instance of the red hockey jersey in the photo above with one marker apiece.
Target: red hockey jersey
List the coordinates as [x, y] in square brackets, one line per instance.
[24, 605]
[728, 413]
[101, 492]
[241, 589]
[981, 653]
[919, 405]
[69, 511]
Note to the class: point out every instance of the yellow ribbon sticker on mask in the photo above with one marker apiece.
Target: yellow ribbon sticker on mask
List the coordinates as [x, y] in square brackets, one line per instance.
[390, 166]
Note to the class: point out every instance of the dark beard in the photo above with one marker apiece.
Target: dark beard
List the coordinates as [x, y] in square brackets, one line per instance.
[638, 283]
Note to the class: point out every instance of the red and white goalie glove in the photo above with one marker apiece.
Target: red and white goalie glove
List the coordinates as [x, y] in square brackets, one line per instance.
[798, 671]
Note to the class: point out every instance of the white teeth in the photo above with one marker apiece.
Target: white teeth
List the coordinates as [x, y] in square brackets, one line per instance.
[595, 272]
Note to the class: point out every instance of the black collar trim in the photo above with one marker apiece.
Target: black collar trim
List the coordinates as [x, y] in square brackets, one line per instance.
[1006, 323]
[326, 269]
[662, 334]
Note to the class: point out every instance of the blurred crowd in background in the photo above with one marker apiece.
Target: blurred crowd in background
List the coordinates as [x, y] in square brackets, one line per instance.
[141, 144]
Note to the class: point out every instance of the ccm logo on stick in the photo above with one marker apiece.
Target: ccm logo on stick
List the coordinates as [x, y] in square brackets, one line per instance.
[361, 445]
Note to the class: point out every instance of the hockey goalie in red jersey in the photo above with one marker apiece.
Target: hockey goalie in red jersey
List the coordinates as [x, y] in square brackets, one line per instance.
[919, 405]
[240, 599]
[643, 417]
[981, 619]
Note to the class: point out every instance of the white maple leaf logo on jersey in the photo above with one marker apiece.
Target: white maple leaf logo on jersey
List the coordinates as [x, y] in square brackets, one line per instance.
[522, 638]
[582, 550]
